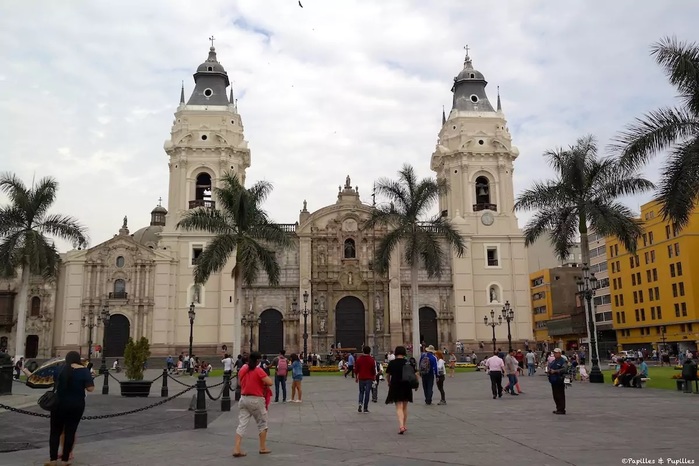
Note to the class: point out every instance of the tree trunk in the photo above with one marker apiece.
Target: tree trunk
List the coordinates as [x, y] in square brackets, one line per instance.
[238, 313]
[416, 307]
[591, 324]
[20, 336]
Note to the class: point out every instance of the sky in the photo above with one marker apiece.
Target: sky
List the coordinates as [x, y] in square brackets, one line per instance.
[88, 89]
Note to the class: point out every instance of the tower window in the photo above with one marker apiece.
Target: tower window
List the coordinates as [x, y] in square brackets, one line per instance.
[208, 92]
[483, 201]
[204, 137]
[202, 192]
[492, 256]
[473, 75]
[350, 249]
[474, 98]
[210, 68]
[196, 252]
[120, 261]
[36, 306]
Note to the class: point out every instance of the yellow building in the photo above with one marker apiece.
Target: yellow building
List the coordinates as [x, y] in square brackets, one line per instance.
[558, 317]
[655, 292]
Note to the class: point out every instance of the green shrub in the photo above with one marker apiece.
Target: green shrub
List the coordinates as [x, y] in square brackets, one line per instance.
[135, 356]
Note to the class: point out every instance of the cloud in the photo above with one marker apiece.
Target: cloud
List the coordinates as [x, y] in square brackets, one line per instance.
[88, 91]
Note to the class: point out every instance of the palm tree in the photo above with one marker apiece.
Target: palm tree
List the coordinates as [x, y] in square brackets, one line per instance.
[584, 194]
[242, 227]
[25, 228]
[410, 202]
[675, 128]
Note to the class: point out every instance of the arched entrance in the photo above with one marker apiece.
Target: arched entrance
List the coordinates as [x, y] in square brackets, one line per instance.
[428, 326]
[31, 347]
[349, 323]
[271, 338]
[118, 333]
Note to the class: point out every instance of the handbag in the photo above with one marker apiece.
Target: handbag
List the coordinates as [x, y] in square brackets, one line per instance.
[49, 400]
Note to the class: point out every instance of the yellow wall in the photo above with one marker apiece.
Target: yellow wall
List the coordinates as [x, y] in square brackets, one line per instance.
[653, 257]
[541, 334]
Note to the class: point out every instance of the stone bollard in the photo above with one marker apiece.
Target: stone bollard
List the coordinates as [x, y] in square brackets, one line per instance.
[6, 374]
[200, 415]
[226, 396]
[163, 389]
[105, 385]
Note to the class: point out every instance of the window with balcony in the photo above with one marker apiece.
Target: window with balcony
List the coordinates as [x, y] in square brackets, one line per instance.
[492, 256]
[483, 200]
[202, 192]
[119, 289]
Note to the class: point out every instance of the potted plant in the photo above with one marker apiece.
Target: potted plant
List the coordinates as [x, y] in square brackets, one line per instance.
[135, 356]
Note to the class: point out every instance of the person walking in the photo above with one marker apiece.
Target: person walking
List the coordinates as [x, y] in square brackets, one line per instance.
[253, 382]
[72, 382]
[495, 368]
[531, 363]
[377, 381]
[441, 374]
[296, 377]
[556, 370]
[511, 368]
[428, 372]
[452, 365]
[350, 365]
[365, 374]
[399, 390]
[281, 366]
[227, 362]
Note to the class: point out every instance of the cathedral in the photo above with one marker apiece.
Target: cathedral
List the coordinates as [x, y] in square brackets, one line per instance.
[144, 278]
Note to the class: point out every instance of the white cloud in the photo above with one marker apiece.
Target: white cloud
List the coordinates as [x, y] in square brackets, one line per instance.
[88, 91]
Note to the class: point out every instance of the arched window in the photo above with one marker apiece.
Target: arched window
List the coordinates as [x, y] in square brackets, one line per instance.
[36, 306]
[202, 192]
[350, 249]
[483, 201]
[119, 289]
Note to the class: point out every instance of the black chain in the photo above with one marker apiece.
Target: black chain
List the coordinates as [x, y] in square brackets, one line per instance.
[158, 377]
[181, 383]
[110, 375]
[211, 397]
[99, 416]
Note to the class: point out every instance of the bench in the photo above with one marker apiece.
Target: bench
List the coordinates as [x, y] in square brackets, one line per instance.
[683, 386]
[644, 380]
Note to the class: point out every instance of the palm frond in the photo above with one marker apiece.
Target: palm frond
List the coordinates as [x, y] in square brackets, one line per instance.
[395, 192]
[267, 258]
[543, 195]
[656, 131]
[214, 257]
[12, 220]
[565, 225]
[678, 192]
[42, 196]
[64, 227]
[542, 222]
[681, 63]
[16, 190]
[444, 228]
[430, 251]
[11, 254]
[385, 249]
[202, 219]
[615, 219]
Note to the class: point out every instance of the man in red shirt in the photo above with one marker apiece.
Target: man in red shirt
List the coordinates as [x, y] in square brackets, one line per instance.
[365, 372]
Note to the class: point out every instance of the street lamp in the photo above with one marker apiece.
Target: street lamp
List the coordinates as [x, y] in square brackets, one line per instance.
[105, 324]
[306, 370]
[89, 322]
[192, 315]
[587, 288]
[492, 322]
[662, 336]
[249, 320]
[509, 315]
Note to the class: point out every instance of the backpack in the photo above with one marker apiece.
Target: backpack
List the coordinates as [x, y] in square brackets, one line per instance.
[408, 376]
[425, 365]
[282, 367]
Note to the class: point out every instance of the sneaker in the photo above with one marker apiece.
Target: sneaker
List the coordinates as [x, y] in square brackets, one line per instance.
[366, 410]
[494, 396]
[442, 402]
[359, 410]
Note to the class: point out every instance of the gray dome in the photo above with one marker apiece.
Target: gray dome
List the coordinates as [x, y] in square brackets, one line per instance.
[211, 64]
[159, 210]
[471, 75]
[148, 236]
[211, 81]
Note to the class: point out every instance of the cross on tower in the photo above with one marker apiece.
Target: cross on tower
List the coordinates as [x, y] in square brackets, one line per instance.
[212, 39]
[160, 201]
[466, 47]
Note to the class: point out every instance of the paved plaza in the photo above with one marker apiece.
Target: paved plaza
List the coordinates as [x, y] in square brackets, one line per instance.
[604, 426]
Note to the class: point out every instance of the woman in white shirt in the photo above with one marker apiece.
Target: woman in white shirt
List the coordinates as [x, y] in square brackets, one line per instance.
[441, 373]
[227, 364]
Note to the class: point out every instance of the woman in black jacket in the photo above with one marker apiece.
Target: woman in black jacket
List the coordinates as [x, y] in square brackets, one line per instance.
[71, 383]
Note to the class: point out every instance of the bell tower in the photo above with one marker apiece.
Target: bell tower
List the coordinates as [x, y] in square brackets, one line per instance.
[206, 141]
[475, 155]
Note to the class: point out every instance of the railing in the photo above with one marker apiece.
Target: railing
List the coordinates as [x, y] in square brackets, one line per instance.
[479, 207]
[118, 295]
[5, 319]
[208, 204]
[288, 227]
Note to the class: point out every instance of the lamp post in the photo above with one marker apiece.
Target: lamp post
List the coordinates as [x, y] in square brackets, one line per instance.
[89, 322]
[492, 322]
[587, 288]
[191, 315]
[249, 320]
[509, 315]
[662, 336]
[306, 371]
[105, 324]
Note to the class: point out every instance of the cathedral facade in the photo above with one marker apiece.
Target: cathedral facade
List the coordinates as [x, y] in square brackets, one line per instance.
[145, 278]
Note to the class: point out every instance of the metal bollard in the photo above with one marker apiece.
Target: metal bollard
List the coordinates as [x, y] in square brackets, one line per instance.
[163, 389]
[226, 396]
[200, 415]
[105, 385]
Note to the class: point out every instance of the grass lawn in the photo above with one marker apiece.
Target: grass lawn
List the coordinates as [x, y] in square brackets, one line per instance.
[219, 372]
[660, 377]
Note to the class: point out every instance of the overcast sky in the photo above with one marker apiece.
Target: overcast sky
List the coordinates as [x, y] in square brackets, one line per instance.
[336, 88]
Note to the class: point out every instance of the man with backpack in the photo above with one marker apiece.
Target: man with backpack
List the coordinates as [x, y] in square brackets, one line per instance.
[428, 372]
[281, 365]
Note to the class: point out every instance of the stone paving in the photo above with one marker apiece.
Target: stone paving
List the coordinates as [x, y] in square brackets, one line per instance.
[604, 426]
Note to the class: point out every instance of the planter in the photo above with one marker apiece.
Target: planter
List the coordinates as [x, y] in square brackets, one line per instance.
[132, 388]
